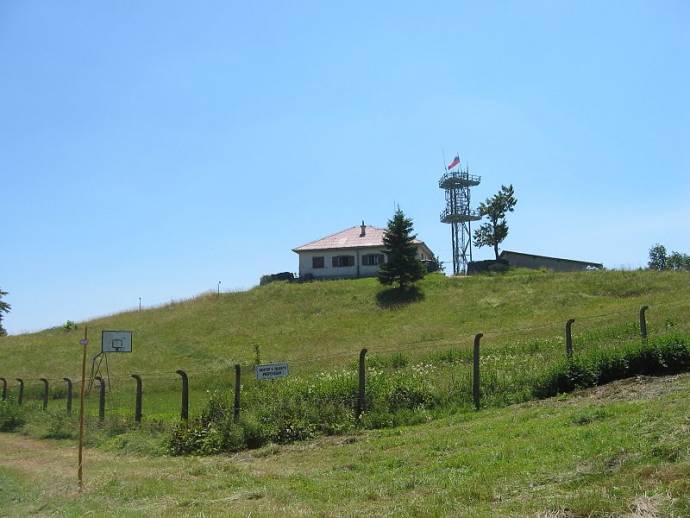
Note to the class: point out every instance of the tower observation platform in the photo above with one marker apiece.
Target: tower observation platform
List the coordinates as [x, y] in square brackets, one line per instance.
[456, 183]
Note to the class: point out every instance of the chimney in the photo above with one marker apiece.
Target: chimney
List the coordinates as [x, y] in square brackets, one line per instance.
[364, 230]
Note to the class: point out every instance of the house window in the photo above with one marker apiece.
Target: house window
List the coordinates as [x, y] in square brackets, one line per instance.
[342, 261]
[372, 259]
[317, 262]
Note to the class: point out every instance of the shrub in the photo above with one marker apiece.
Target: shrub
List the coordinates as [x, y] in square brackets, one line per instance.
[409, 394]
[213, 432]
[668, 356]
[12, 416]
[60, 426]
[300, 408]
[69, 325]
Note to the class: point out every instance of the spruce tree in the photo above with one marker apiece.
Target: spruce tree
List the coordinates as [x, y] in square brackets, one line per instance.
[402, 266]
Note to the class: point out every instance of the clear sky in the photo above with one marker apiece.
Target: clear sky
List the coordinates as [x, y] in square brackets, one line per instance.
[151, 149]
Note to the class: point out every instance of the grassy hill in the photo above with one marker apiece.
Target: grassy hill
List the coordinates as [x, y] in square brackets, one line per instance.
[324, 324]
[321, 326]
[565, 457]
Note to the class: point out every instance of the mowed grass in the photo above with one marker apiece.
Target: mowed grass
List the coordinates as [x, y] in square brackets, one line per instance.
[619, 449]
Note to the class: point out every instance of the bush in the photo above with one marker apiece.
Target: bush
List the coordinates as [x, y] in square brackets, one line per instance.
[69, 325]
[669, 356]
[60, 426]
[398, 393]
[12, 416]
[302, 408]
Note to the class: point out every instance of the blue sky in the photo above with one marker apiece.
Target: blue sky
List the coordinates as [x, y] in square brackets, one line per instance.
[151, 149]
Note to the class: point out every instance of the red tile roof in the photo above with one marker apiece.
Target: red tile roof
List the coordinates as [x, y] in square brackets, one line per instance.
[348, 238]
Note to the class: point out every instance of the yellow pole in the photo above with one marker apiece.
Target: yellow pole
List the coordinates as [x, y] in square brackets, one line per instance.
[84, 342]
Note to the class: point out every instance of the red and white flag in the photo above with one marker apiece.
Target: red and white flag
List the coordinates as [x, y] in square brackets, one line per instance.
[455, 162]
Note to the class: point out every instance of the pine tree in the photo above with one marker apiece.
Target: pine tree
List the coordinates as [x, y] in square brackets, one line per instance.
[495, 208]
[402, 266]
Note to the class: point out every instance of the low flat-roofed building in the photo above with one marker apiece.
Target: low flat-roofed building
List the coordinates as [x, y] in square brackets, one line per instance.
[557, 264]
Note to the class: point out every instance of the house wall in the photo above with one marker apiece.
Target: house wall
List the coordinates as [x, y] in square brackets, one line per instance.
[329, 271]
[555, 264]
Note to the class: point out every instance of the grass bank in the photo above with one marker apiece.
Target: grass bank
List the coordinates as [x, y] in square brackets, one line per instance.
[610, 451]
[412, 377]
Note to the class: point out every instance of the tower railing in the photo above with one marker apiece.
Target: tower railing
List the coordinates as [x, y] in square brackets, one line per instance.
[467, 215]
[463, 177]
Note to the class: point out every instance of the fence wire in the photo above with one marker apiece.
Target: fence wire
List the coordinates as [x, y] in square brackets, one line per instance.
[507, 372]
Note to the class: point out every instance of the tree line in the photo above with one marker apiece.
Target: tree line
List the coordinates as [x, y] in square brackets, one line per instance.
[660, 259]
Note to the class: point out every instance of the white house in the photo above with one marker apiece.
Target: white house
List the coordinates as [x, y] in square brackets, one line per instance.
[353, 252]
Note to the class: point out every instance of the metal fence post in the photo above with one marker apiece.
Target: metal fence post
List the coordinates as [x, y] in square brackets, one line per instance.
[361, 393]
[236, 407]
[476, 392]
[101, 399]
[20, 397]
[137, 404]
[69, 395]
[643, 323]
[4, 389]
[569, 338]
[184, 412]
[45, 393]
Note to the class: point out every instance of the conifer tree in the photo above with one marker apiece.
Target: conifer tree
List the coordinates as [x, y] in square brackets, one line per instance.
[495, 208]
[402, 266]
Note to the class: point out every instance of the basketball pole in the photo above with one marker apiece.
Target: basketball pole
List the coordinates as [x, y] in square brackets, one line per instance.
[84, 342]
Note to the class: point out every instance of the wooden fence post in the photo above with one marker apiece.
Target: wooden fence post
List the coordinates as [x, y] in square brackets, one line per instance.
[69, 395]
[4, 389]
[361, 393]
[101, 399]
[45, 393]
[137, 403]
[236, 407]
[476, 392]
[569, 338]
[643, 323]
[20, 397]
[184, 412]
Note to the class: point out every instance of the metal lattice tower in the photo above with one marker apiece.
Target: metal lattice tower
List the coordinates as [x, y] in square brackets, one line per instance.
[457, 183]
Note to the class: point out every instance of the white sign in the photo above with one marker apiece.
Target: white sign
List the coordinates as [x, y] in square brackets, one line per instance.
[271, 371]
[116, 342]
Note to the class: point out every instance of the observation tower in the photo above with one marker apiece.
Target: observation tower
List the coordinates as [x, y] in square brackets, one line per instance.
[456, 182]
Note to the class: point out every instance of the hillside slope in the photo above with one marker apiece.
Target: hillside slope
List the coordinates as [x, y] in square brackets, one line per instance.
[617, 450]
[320, 324]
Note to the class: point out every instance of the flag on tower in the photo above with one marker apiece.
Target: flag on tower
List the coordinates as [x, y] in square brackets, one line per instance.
[455, 162]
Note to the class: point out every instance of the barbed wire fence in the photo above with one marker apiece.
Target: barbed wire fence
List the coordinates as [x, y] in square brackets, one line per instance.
[509, 361]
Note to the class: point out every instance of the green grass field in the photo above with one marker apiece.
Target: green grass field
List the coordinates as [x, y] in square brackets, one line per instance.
[600, 454]
[309, 324]
[321, 326]
[618, 450]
